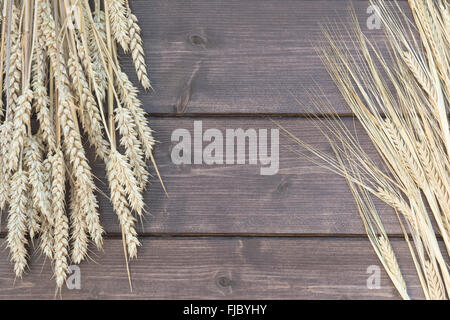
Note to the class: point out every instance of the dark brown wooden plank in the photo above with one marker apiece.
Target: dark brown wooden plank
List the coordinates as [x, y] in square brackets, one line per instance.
[238, 56]
[222, 268]
[232, 199]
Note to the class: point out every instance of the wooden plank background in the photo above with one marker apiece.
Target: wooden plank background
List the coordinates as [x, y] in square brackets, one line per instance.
[240, 56]
[225, 231]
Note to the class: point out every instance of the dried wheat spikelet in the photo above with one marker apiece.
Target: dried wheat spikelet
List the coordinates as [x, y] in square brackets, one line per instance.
[63, 84]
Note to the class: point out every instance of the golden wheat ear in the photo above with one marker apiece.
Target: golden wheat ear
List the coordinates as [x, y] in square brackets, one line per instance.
[60, 66]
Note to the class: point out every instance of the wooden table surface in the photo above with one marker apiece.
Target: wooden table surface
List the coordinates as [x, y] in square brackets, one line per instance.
[225, 231]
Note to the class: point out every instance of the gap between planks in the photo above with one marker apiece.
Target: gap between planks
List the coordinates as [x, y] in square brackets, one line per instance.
[304, 236]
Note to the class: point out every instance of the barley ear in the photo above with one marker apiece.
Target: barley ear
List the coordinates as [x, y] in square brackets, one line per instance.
[434, 282]
[392, 263]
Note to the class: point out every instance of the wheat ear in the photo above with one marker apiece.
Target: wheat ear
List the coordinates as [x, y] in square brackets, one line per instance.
[97, 55]
[46, 238]
[128, 95]
[35, 168]
[17, 222]
[79, 238]
[41, 99]
[130, 184]
[5, 139]
[81, 172]
[61, 225]
[129, 98]
[89, 113]
[22, 114]
[115, 167]
[137, 51]
[72, 142]
[119, 25]
[33, 220]
[133, 148]
[15, 64]
[446, 21]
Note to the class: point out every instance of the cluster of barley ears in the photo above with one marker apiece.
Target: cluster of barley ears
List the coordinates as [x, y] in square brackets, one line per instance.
[61, 82]
[402, 101]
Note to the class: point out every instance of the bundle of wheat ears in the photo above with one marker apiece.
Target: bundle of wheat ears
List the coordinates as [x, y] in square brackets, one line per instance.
[402, 101]
[59, 69]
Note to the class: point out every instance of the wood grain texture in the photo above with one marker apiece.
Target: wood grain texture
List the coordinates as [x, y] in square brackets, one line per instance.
[222, 268]
[239, 56]
[235, 199]
[225, 231]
